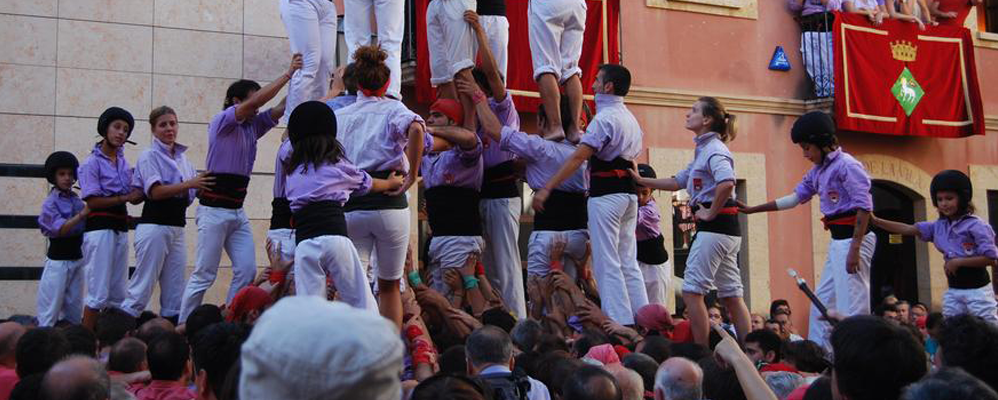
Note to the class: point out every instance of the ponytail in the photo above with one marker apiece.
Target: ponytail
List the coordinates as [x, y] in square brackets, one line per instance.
[723, 123]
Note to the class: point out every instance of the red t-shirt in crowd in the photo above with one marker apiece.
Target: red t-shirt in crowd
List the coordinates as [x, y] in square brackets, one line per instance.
[961, 7]
[8, 378]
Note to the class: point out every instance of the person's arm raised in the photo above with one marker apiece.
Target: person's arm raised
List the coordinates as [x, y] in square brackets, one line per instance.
[753, 385]
[490, 123]
[247, 108]
[581, 154]
[489, 65]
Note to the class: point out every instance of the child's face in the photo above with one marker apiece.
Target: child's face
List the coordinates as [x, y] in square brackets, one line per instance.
[117, 133]
[644, 194]
[165, 129]
[64, 178]
[947, 202]
[811, 152]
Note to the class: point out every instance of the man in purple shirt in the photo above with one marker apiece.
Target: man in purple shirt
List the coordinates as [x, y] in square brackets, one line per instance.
[106, 185]
[60, 290]
[500, 206]
[232, 138]
[843, 186]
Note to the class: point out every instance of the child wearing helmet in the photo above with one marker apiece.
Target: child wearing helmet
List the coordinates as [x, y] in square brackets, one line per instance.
[60, 291]
[966, 241]
[843, 187]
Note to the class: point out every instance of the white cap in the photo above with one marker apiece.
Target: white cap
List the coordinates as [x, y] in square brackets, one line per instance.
[305, 347]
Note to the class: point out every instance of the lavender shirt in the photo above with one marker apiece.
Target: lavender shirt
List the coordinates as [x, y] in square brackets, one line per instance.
[280, 177]
[614, 132]
[813, 6]
[544, 158]
[840, 182]
[57, 208]
[712, 164]
[455, 167]
[505, 111]
[100, 177]
[339, 102]
[374, 132]
[648, 220]
[336, 182]
[232, 144]
[968, 236]
[157, 166]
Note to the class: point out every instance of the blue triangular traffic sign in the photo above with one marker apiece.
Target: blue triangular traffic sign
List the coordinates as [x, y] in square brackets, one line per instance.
[779, 61]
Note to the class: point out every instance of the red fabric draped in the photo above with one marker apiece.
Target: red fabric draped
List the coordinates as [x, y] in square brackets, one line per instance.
[520, 70]
[870, 95]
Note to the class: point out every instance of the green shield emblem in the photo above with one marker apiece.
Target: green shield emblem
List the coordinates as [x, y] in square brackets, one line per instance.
[907, 91]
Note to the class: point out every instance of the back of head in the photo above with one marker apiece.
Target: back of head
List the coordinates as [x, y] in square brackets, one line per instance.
[217, 351]
[27, 388]
[312, 132]
[500, 318]
[81, 340]
[202, 316]
[526, 334]
[489, 345]
[644, 365]
[658, 348]
[632, 387]
[153, 328]
[807, 356]
[933, 320]
[10, 333]
[167, 355]
[820, 389]
[768, 341]
[782, 383]
[692, 351]
[720, 383]
[38, 349]
[350, 78]
[554, 369]
[449, 387]
[970, 343]
[949, 384]
[76, 378]
[619, 75]
[591, 383]
[679, 379]
[587, 340]
[454, 360]
[282, 359]
[127, 356]
[863, 346]
[371, 72]
[239, 90]
[112, 325]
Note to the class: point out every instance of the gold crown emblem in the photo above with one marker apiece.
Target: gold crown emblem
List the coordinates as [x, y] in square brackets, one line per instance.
[903, 50]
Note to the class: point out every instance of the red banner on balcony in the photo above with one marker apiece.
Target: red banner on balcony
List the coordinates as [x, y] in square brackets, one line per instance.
[896, 79]
[520, 70]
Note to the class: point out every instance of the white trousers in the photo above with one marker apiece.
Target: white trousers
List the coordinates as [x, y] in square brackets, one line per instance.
[219, 228]
[713, 264]
[60, 292]
[612, 221]
[658, 278]
[383, 233]
[286, 238]
[450, 252]
[105, 256]
[333, 255]
[311, 27]
[556, 29]
[451, 40]
[539, 250]
[849, 294]
[390, 17]
[497, 30]
[160, 255]
[501, 230]
[978, 302]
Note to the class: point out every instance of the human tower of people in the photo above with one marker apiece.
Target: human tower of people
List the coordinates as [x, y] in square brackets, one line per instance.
[352, 150]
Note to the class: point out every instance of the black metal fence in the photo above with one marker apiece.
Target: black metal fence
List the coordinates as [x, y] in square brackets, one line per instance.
[816, 47]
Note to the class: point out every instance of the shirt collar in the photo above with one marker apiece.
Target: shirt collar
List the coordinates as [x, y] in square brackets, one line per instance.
[832, 155]
[701, 140]
[607, 100]
[178, 148]
[496, 368]
[99, 153]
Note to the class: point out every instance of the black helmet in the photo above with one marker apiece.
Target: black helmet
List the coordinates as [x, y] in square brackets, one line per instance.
[113, 114]
[955, 181]
[311, 118]
[646, 171]
[815, 127]
[57, 160]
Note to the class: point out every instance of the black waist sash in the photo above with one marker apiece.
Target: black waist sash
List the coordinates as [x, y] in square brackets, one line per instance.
[319, 219]
[280, 214]
[229, 191]
[609, 177]
[652, 251]
[491, 7]
[453, 211]
[108, 218]
[563, 211]
[65, 248]
[169, 212]
[842, 225]
[377, 201]
[725, 223]
[499, 182]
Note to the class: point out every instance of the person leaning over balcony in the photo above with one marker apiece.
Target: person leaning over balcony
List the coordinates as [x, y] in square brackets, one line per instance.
[816, 18]
[875, 10]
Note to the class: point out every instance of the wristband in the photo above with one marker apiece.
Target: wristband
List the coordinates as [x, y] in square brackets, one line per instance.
[470, 282]
[556, 265]
[479, 269]
[414, 278]
[276, 276]
[478, 97]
